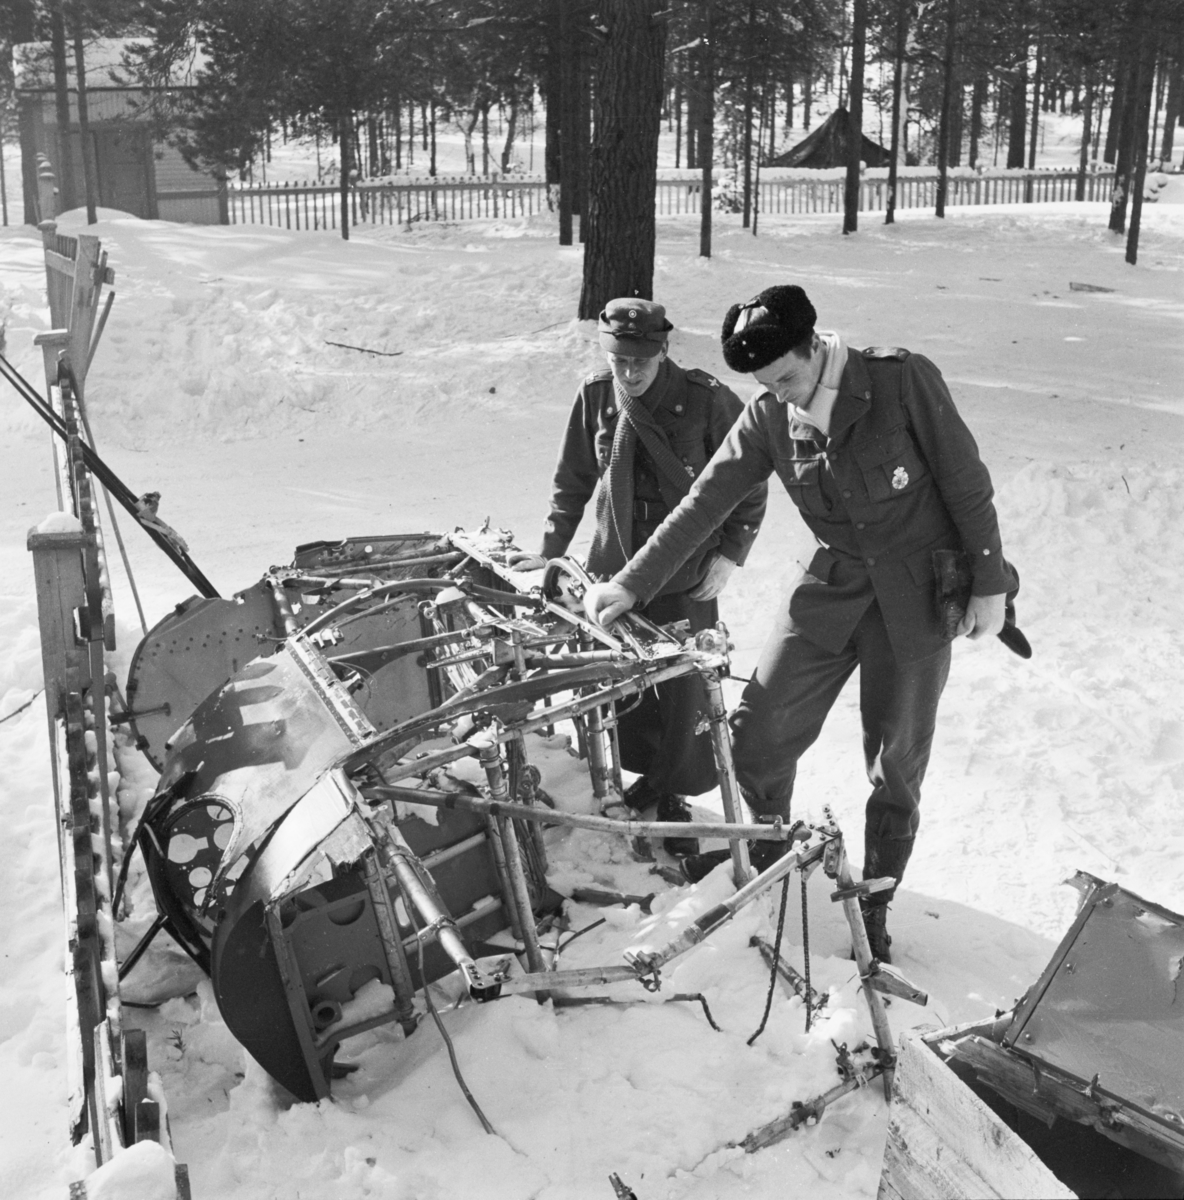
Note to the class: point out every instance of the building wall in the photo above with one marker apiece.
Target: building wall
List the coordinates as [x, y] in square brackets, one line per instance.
[148, 179]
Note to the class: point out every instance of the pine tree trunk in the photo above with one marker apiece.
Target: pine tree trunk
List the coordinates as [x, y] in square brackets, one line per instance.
[567, 120]
[694, 70]
[1037, 84]
[1087, 114]
[583, 132]
[707, 132]
[89, 174]
[619, 255]
[552, 88]
[1122, 77]
[432, 165]
[902, 22]
[947, 89]
[1175, 105]
[978, 101]
[746, 142]
[67, 188]
[1146, 86]
[1127, 136]
[511, 128]
[678, 123]
[1018, 113]
[957, 118]
[345, 134]
[855, 117]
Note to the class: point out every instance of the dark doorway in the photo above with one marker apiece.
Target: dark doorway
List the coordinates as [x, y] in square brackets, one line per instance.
[123, 161]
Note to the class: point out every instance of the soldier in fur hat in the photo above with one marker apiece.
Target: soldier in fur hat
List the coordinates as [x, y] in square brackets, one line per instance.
[639, 434]
[873, 453]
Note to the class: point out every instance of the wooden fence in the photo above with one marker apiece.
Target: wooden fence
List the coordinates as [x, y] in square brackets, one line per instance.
[318, 206]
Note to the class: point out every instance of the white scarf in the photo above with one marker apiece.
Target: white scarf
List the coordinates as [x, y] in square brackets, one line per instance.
[818, 408]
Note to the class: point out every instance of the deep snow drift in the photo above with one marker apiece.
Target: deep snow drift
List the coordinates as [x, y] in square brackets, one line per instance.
[216, 384]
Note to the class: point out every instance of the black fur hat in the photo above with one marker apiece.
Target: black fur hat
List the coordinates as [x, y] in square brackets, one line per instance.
[771, 324]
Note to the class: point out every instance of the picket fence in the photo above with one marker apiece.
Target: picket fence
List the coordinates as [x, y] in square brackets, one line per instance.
[465, 198]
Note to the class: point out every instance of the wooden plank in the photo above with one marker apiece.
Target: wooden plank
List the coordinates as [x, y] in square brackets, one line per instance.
[84, 305]
[57, 574]
[944, 1143]
[135, 1086]
[60, 263]
[1045, 1092]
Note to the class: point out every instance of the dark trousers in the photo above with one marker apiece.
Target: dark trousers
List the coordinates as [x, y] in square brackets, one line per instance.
[658, 737]
[781, 714]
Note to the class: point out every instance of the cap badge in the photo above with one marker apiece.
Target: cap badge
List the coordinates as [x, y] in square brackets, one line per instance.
[633, 312]
[900, 478]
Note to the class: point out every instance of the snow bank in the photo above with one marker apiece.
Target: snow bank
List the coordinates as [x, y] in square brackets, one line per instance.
[216, 383]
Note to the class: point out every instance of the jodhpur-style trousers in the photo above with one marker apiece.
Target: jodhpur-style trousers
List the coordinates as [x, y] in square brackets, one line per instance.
[784, 706]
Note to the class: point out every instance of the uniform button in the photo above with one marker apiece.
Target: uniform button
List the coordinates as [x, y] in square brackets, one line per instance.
[678, 408]
[986, 552]
[860, 525]
[871, 562]
[609, 411]
[867, 395]
[846, 495]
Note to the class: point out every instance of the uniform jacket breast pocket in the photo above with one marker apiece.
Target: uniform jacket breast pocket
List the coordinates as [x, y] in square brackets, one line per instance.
[891, 465]
[802, 478]
[691, 452]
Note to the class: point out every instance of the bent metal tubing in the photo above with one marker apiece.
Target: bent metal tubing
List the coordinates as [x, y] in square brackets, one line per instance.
[776, 832]
[650, 961]
[644, 967]
[647, 677]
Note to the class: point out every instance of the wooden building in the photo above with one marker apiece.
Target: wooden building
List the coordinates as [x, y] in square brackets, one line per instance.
[134, 173]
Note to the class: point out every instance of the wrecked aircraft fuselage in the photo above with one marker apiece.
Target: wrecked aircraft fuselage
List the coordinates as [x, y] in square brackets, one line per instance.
[304, 730]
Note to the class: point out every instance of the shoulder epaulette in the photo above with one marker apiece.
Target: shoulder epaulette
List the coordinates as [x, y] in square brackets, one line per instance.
[897, 352]
[597, 376]
[699, 376]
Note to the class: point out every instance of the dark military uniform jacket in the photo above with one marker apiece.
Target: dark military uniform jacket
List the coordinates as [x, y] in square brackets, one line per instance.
[696, 412]
[898, 477]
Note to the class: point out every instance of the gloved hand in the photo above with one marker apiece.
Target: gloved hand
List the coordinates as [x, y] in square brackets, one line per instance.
[719, 572]
[524, 560]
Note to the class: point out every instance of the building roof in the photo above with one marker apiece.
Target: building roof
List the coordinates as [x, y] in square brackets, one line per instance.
[105, 64]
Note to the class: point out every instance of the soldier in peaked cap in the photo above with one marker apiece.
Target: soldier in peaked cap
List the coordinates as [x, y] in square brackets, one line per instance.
[639, 434]
[887, 476]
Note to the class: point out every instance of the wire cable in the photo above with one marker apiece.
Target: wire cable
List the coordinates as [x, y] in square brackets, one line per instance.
[17, 711]
[806, 954]
[427, 996]
[776, 960]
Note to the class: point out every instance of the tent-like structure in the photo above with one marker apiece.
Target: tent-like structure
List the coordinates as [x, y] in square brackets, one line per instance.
[827, 147]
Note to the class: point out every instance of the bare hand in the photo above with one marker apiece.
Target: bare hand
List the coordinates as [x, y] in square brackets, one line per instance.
[718, 573]
[524, 560]
[605, 602]
[984, 617]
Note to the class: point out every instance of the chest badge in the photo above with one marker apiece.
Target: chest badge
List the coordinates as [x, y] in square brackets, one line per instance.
[900, 478]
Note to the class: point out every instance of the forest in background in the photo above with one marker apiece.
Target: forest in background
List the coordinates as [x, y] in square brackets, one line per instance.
[943, 82]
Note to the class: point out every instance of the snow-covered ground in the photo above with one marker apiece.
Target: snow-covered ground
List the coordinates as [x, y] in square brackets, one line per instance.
[216, 385]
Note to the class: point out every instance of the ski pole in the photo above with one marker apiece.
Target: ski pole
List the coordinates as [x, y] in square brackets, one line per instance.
[114, 485]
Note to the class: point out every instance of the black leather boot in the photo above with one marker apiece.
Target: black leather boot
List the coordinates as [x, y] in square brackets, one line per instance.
[874, 918]
[675, 808]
